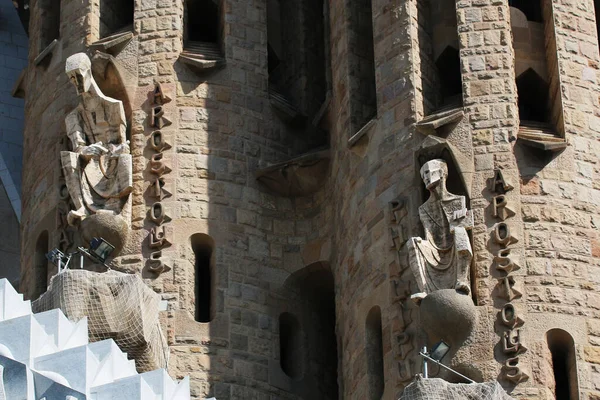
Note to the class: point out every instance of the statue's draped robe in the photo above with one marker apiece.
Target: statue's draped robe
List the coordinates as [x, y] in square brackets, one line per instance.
[102, 181]
[436, 258]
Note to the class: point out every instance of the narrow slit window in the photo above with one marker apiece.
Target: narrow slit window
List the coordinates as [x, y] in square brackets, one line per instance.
[116, 16]
[204, 277]
[291, 348]
[41, 266]
[564, 365]
[374, 349]
[50, 21]
[441, 77]
[362, 67]
[536, 64]
[597, 12]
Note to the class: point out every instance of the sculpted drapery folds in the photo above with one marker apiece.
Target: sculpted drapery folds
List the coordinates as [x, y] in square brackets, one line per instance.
[442, 258]
[98, 172]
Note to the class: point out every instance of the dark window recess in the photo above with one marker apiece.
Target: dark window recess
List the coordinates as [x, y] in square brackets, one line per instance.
[22, 7]
[448, 65]
[50, 18]
[374, 349]
[41, 266]
[441, 78]
[362, 71]
[531, 8]
[202, 21]
[296, 56]
[116, 16]
[597, 12]
[533, 98]
[204, 287]
[290, 345]
[562, 348]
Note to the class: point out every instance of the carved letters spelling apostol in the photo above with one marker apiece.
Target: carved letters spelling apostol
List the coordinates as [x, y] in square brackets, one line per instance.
[512, 344]
[158, 169]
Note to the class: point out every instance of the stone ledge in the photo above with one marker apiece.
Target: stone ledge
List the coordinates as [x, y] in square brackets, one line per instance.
[541, 136]
[202, 56]
[431, 123]
[300, 176]
[45, 53]
[113, 44]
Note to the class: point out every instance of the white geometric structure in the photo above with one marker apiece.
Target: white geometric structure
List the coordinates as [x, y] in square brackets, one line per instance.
[47, 357]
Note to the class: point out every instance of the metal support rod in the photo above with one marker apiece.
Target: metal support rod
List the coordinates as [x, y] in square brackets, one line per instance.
[425, 367]
[441, 365]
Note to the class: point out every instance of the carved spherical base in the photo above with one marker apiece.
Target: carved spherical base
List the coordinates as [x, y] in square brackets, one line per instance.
[110, 227]
[449, 316]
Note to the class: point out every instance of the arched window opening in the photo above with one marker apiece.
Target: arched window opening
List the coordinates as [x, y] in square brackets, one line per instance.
[533, 98]
[40, 266]
[204, 277]
[201, 22]
[374, 349]
[50, 21]
[441, 79]
[310, 293]
[531, 8]
[564, 364]
[362, 65]
[291, 346]
[296, 57]
[116, 16]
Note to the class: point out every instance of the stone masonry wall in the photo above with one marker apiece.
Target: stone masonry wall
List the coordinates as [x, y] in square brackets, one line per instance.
[222, 129]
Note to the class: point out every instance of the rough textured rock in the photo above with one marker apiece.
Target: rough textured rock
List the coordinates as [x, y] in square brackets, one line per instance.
[118, 306]
[438, 389]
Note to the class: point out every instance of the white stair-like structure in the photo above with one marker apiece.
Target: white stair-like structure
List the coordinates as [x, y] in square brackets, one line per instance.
[47, 357]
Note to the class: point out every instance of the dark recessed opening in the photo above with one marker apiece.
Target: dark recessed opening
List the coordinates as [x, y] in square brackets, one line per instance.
[597, 11]
[448, 65]
[202, 21]
[290, 345]
[41, 266]
[533, 97]
[374, 349]
[22, 7]
[564, 366]
[362, 72]
[204, 287]
[50, 18]
[116, 16]
[531, 8]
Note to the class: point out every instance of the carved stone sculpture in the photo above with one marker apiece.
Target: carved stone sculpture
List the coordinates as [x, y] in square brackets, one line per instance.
[98, 172]
[442, 259]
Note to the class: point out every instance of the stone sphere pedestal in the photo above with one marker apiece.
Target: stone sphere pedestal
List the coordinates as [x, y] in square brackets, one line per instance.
[449, 316]
[112, 228]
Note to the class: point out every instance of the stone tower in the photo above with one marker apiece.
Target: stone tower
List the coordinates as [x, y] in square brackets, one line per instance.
[277, 203]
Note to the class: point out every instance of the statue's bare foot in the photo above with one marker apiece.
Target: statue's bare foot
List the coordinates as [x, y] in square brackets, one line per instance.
[417, 298]
[75, 216]
[463, 287]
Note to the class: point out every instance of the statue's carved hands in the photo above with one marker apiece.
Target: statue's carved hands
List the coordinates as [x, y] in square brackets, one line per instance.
[96, 149]
[118, 149]
[460, 214]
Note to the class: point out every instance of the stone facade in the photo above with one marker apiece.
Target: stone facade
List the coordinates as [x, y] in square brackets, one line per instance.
[271, 296]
